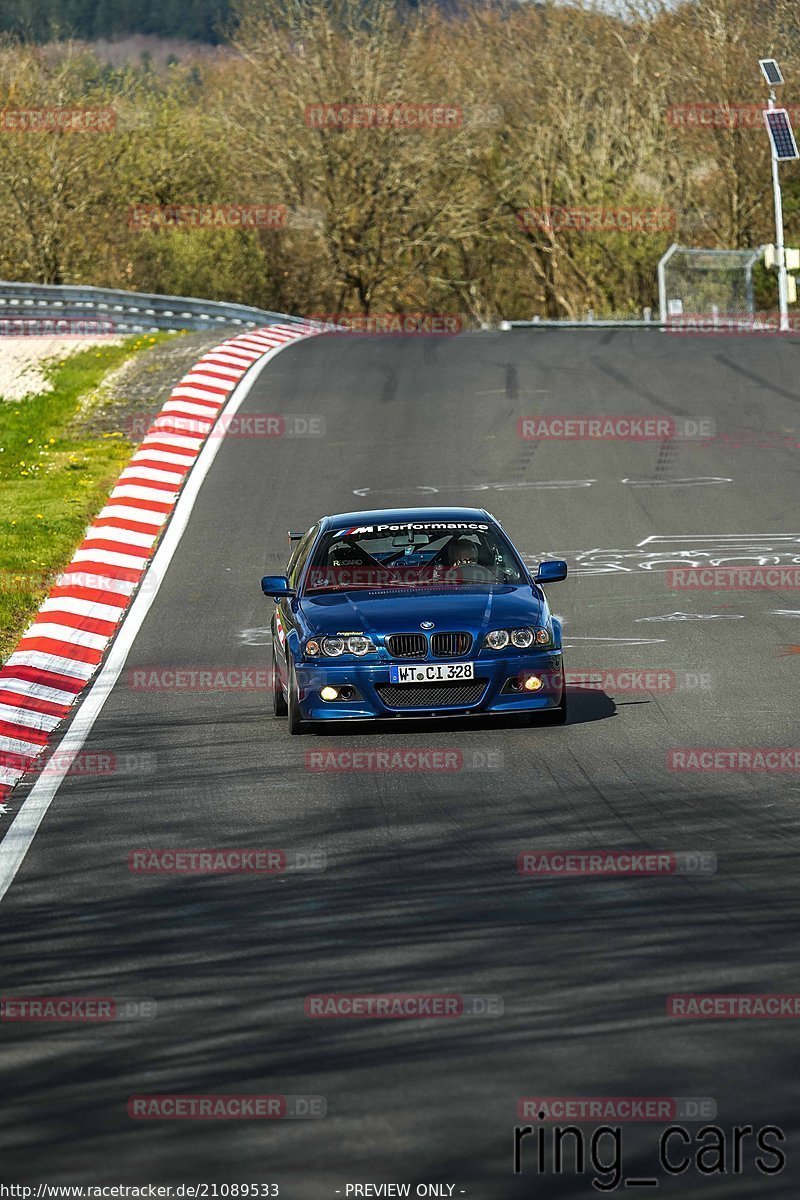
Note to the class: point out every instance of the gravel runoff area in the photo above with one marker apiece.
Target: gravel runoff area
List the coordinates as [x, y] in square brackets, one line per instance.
[136, 390]
[130, 397]
[22, 360]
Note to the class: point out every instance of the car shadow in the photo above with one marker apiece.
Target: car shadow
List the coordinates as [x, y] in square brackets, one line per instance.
[585, 705]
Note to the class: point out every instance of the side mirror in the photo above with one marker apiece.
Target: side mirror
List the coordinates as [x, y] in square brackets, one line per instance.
[552, 570]
[276, 586]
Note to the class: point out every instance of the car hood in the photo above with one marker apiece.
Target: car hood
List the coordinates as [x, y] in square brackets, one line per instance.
[377, 613]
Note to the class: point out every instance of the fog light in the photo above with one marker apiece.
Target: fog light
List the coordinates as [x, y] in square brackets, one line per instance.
[533, 683]
[515, 685]
[329, 693]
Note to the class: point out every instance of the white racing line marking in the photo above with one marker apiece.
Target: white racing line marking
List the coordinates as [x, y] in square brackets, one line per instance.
[256, 637]
[543, 485]
[524, 484]
[663, 552]
[23, 829]
[619, 641]
[697, 481]
[681, 616]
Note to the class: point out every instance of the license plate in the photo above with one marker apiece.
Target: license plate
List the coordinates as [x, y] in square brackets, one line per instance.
[431, 672]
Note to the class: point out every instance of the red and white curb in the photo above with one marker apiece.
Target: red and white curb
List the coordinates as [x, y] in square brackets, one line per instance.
[63, 648]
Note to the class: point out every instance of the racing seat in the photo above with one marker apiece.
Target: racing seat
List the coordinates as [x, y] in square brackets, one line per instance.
[348, 554]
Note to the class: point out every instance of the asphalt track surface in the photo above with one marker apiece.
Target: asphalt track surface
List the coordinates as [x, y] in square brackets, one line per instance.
[421, 892]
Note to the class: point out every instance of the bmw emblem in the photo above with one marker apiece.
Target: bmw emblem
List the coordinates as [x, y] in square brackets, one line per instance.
[426, 624]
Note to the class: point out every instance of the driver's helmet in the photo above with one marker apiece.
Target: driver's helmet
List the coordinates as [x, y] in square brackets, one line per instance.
[462, 552]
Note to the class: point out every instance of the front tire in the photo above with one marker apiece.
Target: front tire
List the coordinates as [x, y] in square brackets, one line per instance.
[296, 722]
[279, 705]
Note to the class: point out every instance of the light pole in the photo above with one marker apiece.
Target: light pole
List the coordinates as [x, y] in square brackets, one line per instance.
[780, 254]
[784, 148]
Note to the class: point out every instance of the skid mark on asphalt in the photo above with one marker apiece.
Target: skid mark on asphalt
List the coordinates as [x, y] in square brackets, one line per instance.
[681, 616]
[666, 458]
[738, 369]
[512, 383]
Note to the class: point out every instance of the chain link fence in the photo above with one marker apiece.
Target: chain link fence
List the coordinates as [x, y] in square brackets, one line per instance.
[714, 285]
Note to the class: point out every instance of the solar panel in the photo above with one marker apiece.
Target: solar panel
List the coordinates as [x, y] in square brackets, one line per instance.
[780, 130]
[771, 71]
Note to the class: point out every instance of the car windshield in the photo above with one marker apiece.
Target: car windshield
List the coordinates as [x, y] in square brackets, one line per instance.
[412, 556]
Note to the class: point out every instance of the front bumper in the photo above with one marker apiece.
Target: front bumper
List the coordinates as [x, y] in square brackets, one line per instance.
[366, 678]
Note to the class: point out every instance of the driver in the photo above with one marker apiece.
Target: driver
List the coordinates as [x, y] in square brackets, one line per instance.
[462, 553]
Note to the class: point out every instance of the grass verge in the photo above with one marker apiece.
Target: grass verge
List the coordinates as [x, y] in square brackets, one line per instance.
[53, 482]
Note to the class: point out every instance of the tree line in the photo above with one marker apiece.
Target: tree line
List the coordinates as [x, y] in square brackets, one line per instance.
[494, 161]
[40, 20]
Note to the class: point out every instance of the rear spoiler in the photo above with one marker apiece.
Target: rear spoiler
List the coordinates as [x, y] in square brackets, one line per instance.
[295, 537]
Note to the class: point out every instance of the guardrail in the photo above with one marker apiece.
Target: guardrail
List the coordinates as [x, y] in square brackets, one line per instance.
[55, 308]
[743, 323]
[589, 323]
[24, 304]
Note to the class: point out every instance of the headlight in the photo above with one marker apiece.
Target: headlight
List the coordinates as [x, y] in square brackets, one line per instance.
[497, 639]
[359, 645]
[523, 638]
[312, 648]
[333, 647]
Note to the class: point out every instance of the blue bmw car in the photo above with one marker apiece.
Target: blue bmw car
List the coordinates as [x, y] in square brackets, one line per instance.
[421, 612]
